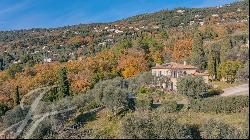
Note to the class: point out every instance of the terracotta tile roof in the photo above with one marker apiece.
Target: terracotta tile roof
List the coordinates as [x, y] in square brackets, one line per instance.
[173, 65]
[201, 74]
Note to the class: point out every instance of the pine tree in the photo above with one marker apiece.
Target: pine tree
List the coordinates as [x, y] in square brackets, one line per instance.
[198, 55]
[63, 83]
[213, 60]
[17, 96]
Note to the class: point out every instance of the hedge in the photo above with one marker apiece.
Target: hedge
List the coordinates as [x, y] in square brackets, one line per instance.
[230, 104]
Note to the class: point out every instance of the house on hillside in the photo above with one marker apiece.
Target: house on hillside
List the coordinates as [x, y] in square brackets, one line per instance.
[118, 31]
[180, 11]
[173, 71]
[47, 60]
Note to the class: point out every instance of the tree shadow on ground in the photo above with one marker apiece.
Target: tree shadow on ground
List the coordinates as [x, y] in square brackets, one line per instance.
[91, 116]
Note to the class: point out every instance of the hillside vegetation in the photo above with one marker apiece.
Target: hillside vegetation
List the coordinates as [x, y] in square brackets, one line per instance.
[93, 67]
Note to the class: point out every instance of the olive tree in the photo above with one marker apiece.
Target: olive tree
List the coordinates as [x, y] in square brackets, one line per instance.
[115, 99]
[191, 86]
[146, 125]
[112, 93]
[138, 125]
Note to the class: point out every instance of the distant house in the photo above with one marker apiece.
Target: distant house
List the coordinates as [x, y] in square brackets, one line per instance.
[109, 40]
[137, 29]
[96, 30]
[156, 27]
[180, 11]
[215, 15]
[174, 70]
[191, 22]
[144, 27]
[16, 62]
[102, 44]
[47, 60]
[118, 31]
[201, 23]
[196, 16]
[111, 30]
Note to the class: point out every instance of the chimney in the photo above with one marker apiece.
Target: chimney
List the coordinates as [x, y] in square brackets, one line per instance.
[185, 63]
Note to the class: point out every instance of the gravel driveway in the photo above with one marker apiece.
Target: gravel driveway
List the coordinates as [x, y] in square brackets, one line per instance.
[238, 90]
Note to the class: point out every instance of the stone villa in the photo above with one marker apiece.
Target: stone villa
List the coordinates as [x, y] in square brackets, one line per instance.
[174, 70]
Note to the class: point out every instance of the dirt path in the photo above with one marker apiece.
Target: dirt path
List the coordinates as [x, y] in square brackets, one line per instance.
[32, 108]
[42, 117]
[238, 90]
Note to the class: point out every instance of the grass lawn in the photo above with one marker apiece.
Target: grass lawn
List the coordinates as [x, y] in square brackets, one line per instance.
[109, 128]
[197, 118]
[223, 85]
[103, 126]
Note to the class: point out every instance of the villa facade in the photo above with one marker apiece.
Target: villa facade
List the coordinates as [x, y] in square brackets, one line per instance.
[173, 71]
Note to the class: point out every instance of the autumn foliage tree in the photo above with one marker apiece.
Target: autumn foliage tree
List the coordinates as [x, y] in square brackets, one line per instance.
[132, 62]
[158, 57]
[182, 49]
[76, 40]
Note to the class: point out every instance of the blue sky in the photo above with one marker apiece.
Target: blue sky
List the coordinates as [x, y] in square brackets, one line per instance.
[25, 14]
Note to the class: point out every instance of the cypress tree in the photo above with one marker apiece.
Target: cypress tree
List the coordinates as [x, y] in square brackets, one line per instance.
[198, 54]
[63, 83]
[213, 60]
[225, 48]
[17, 96]
[1, 64]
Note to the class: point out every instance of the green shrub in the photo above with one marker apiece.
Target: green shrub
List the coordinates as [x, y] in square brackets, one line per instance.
[144, 90]
[213, 92]
[137, 126]
[14, 116]
[13, 69]
[166, 127]
[144, 125]
[45, 129]
[3, 108]
[231, 104]
[169, 107]
[90, 105]
[143, 104]
[51, 96]
[213, 129]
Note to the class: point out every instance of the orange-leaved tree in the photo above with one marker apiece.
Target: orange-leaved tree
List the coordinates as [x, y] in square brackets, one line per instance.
[132, 62]
[182, 49]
